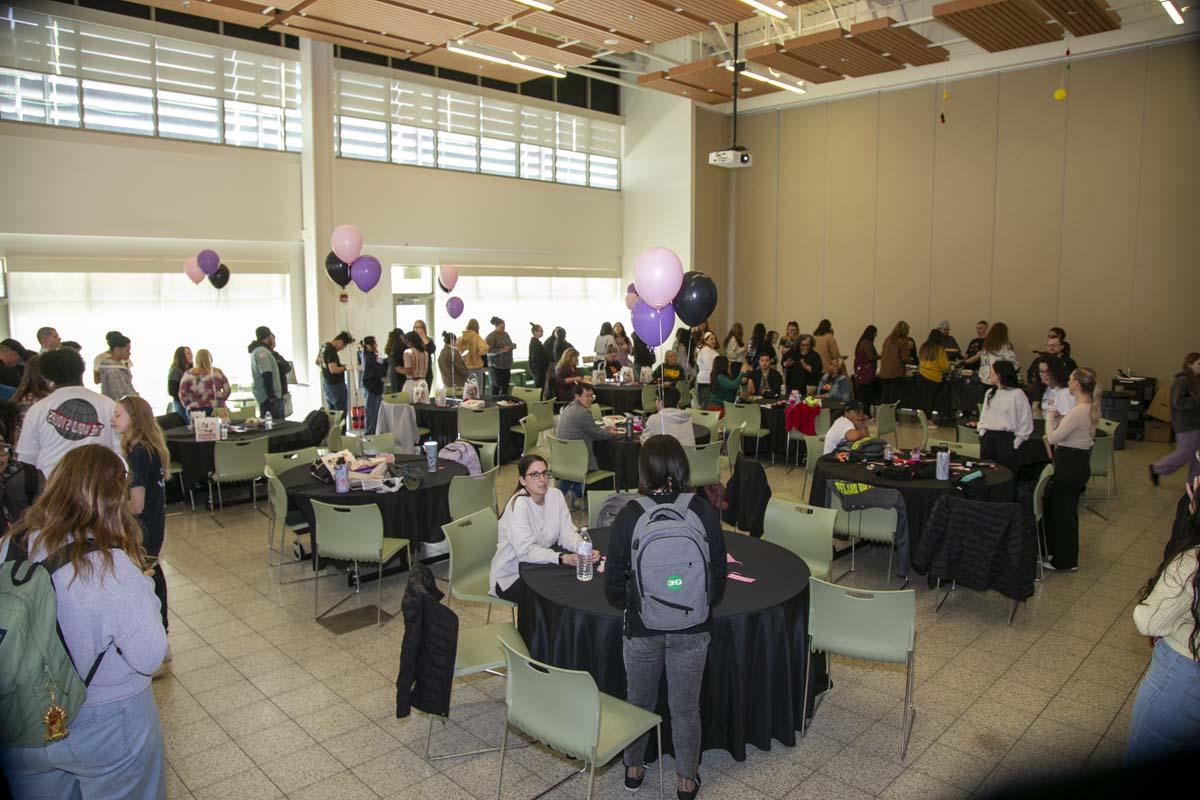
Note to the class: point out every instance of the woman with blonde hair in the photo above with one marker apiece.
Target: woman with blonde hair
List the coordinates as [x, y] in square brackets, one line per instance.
[109, 621]
[1072, 436]
[146, 453]
[895, 354]
[203, 387]
[566, 376]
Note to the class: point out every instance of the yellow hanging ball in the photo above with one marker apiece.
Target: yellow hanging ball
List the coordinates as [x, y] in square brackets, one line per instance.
[1060, 93]
[945, 95]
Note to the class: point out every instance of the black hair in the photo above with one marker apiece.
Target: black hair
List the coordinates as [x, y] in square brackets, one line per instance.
[414, 340]
[496, 321]
[72, 345]
[119, 340]
[758, 337]
[63, 367]
[523, 466]
[1058, 370]
[606, 329]
[367, 340]
[582, 387]
[345, 337]
[823, 327]
[721, 366]
[112, 336]
[179, 360]
[869, 333]
[929, 347]
[670, 397]
[1008, 378]
[533, 326]
[447, 337]
[1178, 547]
[662, 466]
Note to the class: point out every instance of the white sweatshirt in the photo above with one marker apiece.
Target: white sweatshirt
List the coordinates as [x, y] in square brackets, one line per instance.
[1007, 410]
[527, 534]
[1167, 612]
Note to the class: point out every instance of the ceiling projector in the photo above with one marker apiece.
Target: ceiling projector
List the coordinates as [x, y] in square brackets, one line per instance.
[733, 158]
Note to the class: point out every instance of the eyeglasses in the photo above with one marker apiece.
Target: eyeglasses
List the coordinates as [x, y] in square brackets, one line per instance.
[538, 474]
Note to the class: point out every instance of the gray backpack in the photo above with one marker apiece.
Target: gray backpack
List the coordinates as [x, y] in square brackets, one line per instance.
[670, 565]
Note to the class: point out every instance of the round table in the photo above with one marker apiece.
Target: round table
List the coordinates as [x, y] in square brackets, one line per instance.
[774, 419]
[753, 682]
[442, 422]
[624, 398]
[196, 458]
[621, 456]
[417, 516]
[919, 495]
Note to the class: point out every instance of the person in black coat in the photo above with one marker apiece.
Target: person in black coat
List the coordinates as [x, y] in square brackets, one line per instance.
[374, 372]
[802, 366]
[539, 358]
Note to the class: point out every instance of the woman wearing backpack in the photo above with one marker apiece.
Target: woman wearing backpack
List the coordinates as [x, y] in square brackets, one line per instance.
[109, 618]
[663, 479]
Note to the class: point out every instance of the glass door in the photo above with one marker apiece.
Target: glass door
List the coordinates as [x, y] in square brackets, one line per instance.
[410, 308]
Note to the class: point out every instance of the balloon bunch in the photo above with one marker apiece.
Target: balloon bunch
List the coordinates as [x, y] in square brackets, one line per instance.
[207, 264]
[447, 280]
[346, 262]
[661, 291]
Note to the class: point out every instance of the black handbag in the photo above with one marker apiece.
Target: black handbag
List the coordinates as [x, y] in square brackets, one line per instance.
[320, 472]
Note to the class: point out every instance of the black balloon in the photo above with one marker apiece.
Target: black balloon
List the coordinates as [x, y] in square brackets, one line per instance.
[220, 277]
[337, 270]
[697, 298]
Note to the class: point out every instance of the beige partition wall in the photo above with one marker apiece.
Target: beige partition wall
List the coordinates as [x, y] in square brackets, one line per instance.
[1017, 207]
[711, 217]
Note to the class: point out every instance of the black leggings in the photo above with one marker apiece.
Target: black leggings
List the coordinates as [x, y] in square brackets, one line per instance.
[998, 446]
[1072, 470]
[499, 378]
[514, 593]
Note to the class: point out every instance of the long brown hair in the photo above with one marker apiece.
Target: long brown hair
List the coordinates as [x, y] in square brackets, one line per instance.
[931, 346]
[34, 385]
[143, 429]
[87, 497]
[997, 338]
[1186, 548]
[899, 332]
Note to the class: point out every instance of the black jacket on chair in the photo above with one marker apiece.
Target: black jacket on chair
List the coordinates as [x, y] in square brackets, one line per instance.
[979, 544]
[746, 496]
[429, 648]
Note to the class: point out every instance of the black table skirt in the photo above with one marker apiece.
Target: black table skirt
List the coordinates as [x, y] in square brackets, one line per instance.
[417, 516]
[919, 495]
[196, 458]
[753, 683]
[955, 396]
[443, 426]
[623, 399]
[774, 419]
[621, 456]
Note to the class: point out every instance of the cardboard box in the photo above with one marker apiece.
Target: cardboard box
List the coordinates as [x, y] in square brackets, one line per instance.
[1159, 431]
[1160, 406]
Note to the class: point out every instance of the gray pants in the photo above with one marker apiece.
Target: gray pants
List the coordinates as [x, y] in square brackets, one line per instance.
[883, 498]
[684, 655]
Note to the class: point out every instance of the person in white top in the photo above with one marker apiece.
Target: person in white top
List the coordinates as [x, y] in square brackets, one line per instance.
[735, 346]
[850, 427]
[1007, 419]
[604, 341]
[1056, 396]
[996, 348]
[1071, 436]
[533, 521]
[69, 417]
[671, 420]
[1166, 713]
[704, 363]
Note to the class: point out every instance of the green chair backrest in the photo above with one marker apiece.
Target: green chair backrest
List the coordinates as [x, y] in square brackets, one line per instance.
[529, 431]
[471, 493]
[685, 393]
[482, 424]
[595, 409]
[706, 419]
[276, 494]
[375, 442]
[869, 524]
[235, 460]
[244, 413]
[560, 707]
[814, 448]
[397, 397]
[824, 420]
[875, 626]
[543, 412]
[529, 395]
[1108, 426]
[595, 501]
[923, 423]
[348, 532]
[750, 416]
[966, 449]
[472, 542]
[282, 462]
[1039, 491]
[1101, 459]
[805, 530]
[885, 418]
[733, 443]
[650, 397]
[968, 435]
[568, 459]
[704, 463]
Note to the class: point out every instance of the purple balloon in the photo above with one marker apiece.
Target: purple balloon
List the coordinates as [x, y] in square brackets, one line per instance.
[365, 272]
[454, 307]
[209, 261]
[653, 325]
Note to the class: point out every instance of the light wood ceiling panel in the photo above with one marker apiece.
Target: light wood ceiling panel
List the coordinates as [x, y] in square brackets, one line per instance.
[997, 25]
[722, 12]
[589, 33]
[511, 40]
[901, 43]
[712, 74]
[641, 20]
[659, 80]
[283, 5]
[441, 57]
[775, 57]
[325, 37]
[477, 12]
[239, 13]
[1082, 17]
[353, 37]
[384, 17]
[834, 51]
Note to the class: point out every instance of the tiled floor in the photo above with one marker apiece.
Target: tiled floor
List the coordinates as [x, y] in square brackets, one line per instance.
[262, 702]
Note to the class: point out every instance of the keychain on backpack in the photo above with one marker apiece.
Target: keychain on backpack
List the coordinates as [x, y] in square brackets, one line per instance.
[55, 717]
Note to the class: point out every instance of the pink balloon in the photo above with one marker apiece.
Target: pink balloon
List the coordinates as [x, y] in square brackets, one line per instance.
[658, 274]
[631, 300]
[448, 277]
[454, 307]
[347, 243]
[191, 268]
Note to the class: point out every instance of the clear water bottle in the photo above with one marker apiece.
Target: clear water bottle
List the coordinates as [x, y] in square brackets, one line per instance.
[268, 422]
[888, 454]
[341, 477]
[224, 430]
[583, 571]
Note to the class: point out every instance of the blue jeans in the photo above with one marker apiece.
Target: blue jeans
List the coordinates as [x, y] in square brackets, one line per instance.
[337, 397]
[179, 409]
[373, 403]
[114, 750]
[1166, 714]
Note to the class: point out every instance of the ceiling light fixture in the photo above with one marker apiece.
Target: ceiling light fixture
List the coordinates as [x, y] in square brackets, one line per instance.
[1172, 11]
[505, 61]
[758, 5]
[797, 87]
[538, 4]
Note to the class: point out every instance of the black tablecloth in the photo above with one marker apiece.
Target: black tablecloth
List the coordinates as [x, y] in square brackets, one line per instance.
[774, 419]
[196, 458]
[625, 399]
[418, 516]
[442, 422]
[919, 495]
[753, 683]
[621, 456]
[961, 395]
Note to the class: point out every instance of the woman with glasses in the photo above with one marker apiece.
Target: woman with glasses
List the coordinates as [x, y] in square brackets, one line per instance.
[533, 522]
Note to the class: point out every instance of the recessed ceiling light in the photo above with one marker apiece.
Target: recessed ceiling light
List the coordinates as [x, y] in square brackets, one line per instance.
[268, 10]
[537, 4]
[612, 41]
[747, 89]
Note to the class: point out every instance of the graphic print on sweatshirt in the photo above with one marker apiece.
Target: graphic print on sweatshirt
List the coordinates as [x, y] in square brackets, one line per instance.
[75, 419]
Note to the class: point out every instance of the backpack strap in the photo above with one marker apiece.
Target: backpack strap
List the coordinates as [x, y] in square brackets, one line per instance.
[685, 499]
[59, 559]
[95, 666]
[646, 503]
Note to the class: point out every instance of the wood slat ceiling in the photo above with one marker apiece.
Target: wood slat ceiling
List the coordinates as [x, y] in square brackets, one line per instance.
[511, 41]
[635, 18]
[901, 43]
[477, 12]
[441, 57]
[775, 57]
[387, 18]
[722, 12]
[351, 37]
[997, 25]
[835, 52]
[711, 76]
[239, 13]
[659, 80]
[1083, 17]
[589, 33]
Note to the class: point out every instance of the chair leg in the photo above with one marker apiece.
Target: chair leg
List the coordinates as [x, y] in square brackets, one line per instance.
[592, 779]
[316, 582]
[221, 503]
[379, 604]
[891, 556]
[429, 737]
[910, 713]
[488, 619]
[503, 748]
[804, 695]
[661, 759]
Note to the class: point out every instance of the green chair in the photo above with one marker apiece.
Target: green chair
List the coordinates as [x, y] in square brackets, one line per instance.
[824, 420]
[543, 412]
[650, 399]
[471, 493]
[472, 542]
[597, 411]
[685, 393]
[569, 462]
[749, 419]
[1108, 426]
[530, 429]
[704, 463]
[281, 520]
[596, 500]
[867, 524]
[479, 425]
[174, 468]
[353, 533]
[282, 462]
[563, 709]
[247, 411]
[923, 424]
[237, 461]
[1039, 513]
[709, 420]
[805, 530]
[397, 397]
[1103, 465]
[333, 439]
[528, 394]
[814, 448]
[968, 435]
[733, 447]
[374, 443]
[885, 420]
[868, 626]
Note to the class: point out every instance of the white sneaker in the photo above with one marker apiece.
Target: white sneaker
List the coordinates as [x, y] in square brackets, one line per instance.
[1047, 565]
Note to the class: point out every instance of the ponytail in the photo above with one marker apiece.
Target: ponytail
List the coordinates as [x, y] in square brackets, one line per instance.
[1089, 382]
